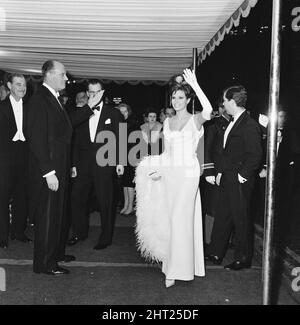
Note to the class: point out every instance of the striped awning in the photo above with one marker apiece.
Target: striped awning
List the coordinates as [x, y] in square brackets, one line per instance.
[121, 40]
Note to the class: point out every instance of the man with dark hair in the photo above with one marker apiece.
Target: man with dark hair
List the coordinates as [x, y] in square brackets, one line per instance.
[49, 135]
[94, 171]
[13, 161]
[235, 169]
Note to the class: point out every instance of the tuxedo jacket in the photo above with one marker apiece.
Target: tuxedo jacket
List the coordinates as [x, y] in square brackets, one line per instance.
[85, 151]
[49, 133]
[243, 151]
[288, 149]
[213, 145]
[8, 129]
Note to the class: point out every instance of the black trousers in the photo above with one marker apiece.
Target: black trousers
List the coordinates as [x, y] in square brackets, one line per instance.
[102, 179]
[233, 212]
[50, 227]
[13, 189]
[47, 231]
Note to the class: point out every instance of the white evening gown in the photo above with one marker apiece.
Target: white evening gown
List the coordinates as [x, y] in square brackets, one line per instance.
[169, 216]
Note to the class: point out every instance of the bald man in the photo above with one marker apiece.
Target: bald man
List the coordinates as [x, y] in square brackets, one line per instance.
[49, 135]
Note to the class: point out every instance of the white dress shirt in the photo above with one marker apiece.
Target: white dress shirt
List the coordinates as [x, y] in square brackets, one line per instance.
[230, 126]
[18, 113]
[93, 122]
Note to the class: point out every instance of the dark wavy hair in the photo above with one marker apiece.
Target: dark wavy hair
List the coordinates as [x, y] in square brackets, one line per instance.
[129, 110]
[10, 77]
[238, 93]
[186, 88]
[94, 82]
[151, 109]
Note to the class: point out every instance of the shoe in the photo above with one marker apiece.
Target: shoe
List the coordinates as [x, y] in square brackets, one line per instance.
[72, 241]
[22, 239]
[237, 265]
[213, 258]
[3, 244]
[169, 283]
[67, 258]
[100, 246]
[57, 271]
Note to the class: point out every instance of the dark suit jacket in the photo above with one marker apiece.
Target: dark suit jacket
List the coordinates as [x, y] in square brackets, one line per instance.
[213, 145]
[288, 150]
[8, 129]
[85, 151]
[243, 150]
[49, 134]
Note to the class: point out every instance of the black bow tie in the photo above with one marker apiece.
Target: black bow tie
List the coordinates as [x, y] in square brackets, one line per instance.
[97, 106]
[231, 119]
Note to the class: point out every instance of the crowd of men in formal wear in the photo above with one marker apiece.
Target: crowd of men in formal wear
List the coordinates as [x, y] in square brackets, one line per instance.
[221, 201]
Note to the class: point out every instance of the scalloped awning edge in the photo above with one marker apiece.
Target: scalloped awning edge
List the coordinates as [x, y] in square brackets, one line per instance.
[243, 11]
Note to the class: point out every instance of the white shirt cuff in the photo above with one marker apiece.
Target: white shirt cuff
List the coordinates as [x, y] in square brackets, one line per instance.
[19, 136]
[50, 173]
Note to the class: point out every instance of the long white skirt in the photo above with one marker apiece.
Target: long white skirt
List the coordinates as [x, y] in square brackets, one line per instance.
[169, 218]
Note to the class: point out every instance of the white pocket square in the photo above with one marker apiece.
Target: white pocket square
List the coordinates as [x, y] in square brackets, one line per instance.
[108, 121]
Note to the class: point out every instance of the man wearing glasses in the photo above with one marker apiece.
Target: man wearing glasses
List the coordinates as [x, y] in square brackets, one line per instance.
[94, 171]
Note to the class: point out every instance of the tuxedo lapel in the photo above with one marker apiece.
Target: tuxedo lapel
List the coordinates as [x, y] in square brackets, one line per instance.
[8, 111]
[53, 100]
[57, 105]
[102, 120]
[235, 126]
[24, 124]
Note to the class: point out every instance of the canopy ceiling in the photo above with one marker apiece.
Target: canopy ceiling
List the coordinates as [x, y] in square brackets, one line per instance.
[147, 40]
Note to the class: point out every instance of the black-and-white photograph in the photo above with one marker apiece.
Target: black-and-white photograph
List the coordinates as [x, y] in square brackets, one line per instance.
[149, 155]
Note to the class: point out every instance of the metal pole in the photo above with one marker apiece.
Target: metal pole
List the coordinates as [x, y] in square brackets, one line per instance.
[194, 68]
[271, 153]
[194, 58]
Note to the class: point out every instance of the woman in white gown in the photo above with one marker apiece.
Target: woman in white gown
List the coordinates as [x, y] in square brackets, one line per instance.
[168, 209]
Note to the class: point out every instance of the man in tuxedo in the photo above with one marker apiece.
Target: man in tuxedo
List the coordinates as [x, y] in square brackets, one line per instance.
[95, 172]
[49, 134]
[235, 173]
[13, 162]
[213, 146]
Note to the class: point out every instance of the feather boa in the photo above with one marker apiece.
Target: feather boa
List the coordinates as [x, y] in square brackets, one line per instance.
[152, 227]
